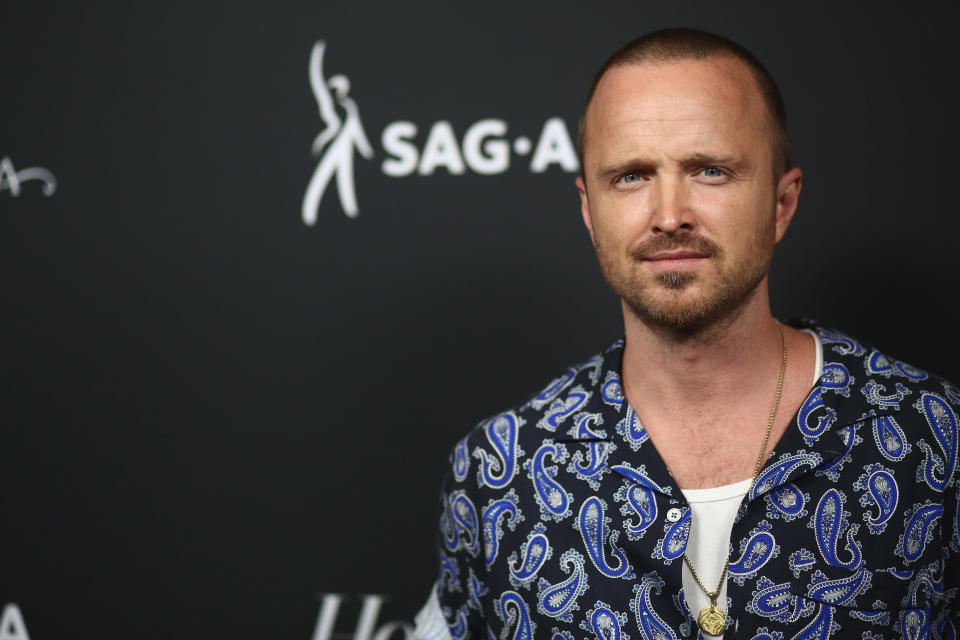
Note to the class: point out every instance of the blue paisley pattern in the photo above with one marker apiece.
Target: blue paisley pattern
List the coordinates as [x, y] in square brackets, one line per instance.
[513, 613]
[590, 466]
[755, 551]
[786, 502]
[830, 522]
[815, 416]
[559, 519]
[560, 600]
[640, 501]
[890, 439]
[914, 624]
[502, 433]
[955, 532]
[875, 393]
[533, 555]
[465, 520]
[842, 591]
[776, 475]
[801, 560]
[461, 461]
[777, 602]
[879, 364]
[938, 467]
[879, 616]
[917, 530]
[493, 515]
[652, 626]
[612, 391]
[554, 501]
[844, 345]
[821, 627]
[554, 389]
[632, 431]
[880, 487]
[475, 591]
[605, 624]
[850, 438]
[449, 573]
[560, 410]
[457, 622]
[594, 528]
[951, 392]
[674, 541]
[944, 628]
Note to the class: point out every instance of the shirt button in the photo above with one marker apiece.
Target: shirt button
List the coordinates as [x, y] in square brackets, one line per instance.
[674, 514]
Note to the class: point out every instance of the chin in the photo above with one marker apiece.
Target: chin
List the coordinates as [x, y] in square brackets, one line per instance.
[676, 280]
[676, 312]
[679, 302]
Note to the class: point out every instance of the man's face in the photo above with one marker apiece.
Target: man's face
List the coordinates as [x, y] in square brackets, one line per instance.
[678, 189]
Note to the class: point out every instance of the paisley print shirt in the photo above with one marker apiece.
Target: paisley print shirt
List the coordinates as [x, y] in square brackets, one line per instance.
[560, 521]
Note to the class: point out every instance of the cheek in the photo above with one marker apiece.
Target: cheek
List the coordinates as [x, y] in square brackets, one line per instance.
[630, 213]
[615, 226]
[737, 220]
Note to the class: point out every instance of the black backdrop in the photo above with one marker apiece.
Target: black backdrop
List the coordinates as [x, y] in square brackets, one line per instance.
[213, 412]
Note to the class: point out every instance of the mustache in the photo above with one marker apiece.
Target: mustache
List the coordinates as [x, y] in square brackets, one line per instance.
[678, 240]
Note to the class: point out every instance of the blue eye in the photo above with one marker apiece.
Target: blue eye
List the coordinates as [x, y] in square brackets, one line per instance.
[713, 172]
[630, 178]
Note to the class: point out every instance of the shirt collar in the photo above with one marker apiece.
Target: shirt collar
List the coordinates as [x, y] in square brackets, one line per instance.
[818, 439]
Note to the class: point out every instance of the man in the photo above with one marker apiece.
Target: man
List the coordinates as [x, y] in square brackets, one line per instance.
[715, 473]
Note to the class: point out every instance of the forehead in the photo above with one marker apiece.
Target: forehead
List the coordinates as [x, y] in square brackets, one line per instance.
[678, 107]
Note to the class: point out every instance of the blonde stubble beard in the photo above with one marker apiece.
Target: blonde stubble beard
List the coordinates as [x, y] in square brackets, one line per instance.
[720, 305]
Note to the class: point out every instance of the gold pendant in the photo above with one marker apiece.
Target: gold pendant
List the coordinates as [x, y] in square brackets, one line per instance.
[711, 620]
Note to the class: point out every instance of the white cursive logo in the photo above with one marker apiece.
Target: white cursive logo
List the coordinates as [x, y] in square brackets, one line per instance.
[11, 179]
[366, 628]
[340, 136]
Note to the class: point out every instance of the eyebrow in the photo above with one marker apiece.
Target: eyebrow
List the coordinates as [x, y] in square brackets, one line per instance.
[649, 165]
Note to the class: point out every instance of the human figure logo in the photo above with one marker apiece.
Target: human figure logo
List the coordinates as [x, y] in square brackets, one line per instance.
[11, 179]
[336, 142]
[484, 148]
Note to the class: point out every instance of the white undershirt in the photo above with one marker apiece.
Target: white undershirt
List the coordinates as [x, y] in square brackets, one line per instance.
[712, 514]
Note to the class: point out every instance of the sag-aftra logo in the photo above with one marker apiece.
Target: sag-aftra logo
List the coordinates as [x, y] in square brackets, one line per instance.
[11, 623]
[485, 147]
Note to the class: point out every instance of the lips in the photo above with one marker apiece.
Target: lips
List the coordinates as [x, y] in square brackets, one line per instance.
[674, 250]
[679, 254]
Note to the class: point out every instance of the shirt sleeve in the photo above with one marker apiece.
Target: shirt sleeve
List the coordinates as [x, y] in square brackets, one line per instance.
[429, 623]
[946, 616]
[460, 587]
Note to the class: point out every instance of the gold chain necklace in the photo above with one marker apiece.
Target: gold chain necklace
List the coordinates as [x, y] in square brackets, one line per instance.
[712, 618]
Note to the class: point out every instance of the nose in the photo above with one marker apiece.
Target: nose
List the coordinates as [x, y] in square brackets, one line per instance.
[671, 206]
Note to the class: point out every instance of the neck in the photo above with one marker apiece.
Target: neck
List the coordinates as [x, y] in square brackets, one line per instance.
[687, 368]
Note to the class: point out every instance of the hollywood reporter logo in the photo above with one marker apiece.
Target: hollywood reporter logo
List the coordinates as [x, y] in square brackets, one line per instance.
[484, 149]
[367, 626]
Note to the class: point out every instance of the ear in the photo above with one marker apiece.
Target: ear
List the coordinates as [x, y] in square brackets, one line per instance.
[788, 196]
[584, 205]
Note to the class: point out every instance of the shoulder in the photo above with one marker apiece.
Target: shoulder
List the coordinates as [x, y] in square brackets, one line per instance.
[923, 404]
[495, 445]
[875, 368]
